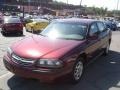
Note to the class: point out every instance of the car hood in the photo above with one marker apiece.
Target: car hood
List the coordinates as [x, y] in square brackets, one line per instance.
[43, 47]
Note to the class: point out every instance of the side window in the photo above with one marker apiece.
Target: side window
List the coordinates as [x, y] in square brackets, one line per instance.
[93, 29]
[101, 26]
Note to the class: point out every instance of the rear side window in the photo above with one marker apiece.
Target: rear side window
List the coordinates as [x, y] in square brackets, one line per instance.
[101, 26]
[93, 29]
[12, 20]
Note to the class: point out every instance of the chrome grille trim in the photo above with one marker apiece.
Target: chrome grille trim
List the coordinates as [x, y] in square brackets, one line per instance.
[22, 61]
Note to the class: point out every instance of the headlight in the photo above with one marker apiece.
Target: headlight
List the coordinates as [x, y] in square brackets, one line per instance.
[48, 63]
[9, 50]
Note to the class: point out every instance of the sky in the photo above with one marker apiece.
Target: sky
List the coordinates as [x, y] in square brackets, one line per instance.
[110, 4]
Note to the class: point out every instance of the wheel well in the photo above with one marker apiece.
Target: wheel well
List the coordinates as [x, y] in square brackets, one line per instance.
[83, 56]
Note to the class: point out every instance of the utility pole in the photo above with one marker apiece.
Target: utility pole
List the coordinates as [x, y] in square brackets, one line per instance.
[117, 5]
[23, 9]
[80, 6]
[80, 3]
[67, 7]
[67, 2]
[116, 10]
[4, 10]
[20, 1]
[29, 5]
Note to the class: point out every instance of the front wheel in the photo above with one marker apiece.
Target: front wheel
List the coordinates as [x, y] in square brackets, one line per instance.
[77, 72]
[27, 30]
[4, 33]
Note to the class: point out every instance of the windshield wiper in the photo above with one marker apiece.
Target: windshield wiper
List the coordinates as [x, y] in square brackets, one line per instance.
[70, 39]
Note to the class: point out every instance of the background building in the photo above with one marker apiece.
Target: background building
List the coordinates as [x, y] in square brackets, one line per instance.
[39, 6]
[27, 5]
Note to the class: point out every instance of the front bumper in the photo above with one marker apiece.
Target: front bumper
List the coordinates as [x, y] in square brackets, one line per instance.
[34, 72]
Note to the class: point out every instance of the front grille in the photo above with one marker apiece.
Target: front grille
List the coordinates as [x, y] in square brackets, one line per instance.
[22, 61]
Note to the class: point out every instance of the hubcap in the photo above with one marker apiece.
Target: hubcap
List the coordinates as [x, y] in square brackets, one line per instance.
[78, 70]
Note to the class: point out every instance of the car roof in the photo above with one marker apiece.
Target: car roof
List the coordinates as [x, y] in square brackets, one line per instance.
[77, 20]
[40, 20]
[11, 17]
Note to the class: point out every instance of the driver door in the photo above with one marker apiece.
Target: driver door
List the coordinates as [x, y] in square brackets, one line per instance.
[93, 42]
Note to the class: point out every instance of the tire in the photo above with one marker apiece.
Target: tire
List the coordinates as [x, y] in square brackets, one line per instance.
[1, 32]
[27, 30]
[32, 30]
[106, 50]
[20, 33]
[4, 33]
[77, 72]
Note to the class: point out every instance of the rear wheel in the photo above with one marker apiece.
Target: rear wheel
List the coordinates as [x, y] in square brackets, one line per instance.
[20, 33]
[106, 50]
[77, 72]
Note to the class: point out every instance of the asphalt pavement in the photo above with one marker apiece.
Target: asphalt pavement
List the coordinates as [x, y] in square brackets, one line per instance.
[103, 74]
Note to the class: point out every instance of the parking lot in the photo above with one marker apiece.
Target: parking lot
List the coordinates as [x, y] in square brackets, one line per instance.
[103, 74]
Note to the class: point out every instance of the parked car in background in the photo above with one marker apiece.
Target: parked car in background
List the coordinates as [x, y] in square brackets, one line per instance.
[27, 19]
[118, 25]
[111, 25]
[36, 25]
[12, 25]
[1, 16]
[63, 48]
[22, 21]
[114, 25]
[1, 19]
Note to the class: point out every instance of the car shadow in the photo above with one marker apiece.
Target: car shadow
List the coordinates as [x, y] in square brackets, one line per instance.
[13, 35]
[34, 32]
[103, 74]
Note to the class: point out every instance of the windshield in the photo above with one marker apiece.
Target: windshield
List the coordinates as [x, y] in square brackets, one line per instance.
[65, 31]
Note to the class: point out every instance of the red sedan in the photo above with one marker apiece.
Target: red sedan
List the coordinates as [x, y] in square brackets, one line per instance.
[64, 47]
[12, 25]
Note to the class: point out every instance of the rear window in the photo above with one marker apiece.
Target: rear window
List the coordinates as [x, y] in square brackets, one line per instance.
[12, 20]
